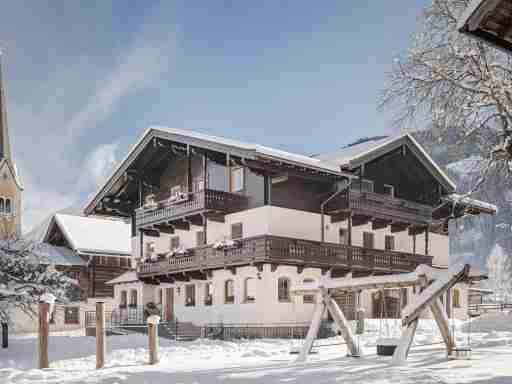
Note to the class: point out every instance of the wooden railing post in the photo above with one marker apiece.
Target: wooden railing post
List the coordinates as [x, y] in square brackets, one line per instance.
[153, 322]
[100, 335]
[42, 336]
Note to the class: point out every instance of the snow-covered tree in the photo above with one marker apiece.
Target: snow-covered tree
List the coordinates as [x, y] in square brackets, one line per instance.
[500, 277]
[25, 277]
[456, 86]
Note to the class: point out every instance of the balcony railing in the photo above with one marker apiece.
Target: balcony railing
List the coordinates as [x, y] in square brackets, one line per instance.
[389, 208]
[193, 203]
[282, 250]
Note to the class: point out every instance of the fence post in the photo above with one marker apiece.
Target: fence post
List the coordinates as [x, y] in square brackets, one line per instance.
[153, 322]
[42, 335]
[100, 335]
[5, 335]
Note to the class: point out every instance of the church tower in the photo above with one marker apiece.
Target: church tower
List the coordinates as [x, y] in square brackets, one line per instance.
[10, 186]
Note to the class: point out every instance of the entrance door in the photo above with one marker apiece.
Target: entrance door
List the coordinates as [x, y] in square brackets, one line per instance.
[169, 303]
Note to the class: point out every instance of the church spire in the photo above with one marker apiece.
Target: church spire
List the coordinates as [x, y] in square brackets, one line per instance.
[5, 147]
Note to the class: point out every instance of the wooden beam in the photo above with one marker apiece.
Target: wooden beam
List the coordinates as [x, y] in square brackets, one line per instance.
[318, 314]
[216, 216]
[380, 224]
[169, 229]
[416, 229]
[180, 224]
[358, 220]
[399, 227]
[150, 232]
[340, 216]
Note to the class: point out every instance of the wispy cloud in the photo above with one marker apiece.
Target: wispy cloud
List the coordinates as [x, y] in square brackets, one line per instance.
[97, 166]
[152, 50]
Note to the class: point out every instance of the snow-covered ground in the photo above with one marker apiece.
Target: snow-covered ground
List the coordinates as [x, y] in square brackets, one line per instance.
[265, 361]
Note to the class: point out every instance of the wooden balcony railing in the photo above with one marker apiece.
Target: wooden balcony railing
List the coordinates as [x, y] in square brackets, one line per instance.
[197, 202]
[389, 208]
[287, 251]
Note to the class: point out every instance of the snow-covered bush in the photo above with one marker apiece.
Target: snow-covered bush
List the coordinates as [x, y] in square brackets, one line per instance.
[26, 278]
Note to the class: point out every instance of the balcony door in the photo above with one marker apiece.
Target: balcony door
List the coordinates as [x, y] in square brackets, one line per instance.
[169, 303]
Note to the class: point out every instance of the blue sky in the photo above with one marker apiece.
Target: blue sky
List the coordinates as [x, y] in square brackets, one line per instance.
[84, 78]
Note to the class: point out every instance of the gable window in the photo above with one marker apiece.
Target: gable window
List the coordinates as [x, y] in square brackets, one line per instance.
[389, 243]
[208, 293]
[308, 299]
[362, 185]
[190, 295]
[343, 236]
[237, 179]
[175, 242]
[124, 299]
[133, 298]
[456, 298]
[389, 190]
[283, 290]
[229, 292]
[2, 205]
[200, 238]
[368, 240]
[71, 315]
[8, 208]
[250, 290]
[236, 231]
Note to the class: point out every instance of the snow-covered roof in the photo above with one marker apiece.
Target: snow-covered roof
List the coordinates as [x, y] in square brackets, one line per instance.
[353, 156]
[473, 203]
[58, 255]
[127, 277]
[94, 235]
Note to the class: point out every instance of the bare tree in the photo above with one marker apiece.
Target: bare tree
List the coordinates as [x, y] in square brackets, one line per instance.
[457, 87]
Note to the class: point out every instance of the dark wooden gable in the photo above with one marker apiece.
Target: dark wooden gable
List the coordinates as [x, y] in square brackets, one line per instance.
[406, 173]
[54, 236]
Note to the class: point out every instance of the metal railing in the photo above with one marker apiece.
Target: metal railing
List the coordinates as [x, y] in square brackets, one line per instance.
[121, 317]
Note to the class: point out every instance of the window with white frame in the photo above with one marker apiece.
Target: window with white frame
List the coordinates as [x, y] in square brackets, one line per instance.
[8, 206]
[250, 290]
[229, 292]
[368, 240]
[343, 236]
[133, 298]
[175, 242]
[237, 179]
[389, 243]
[308, 299]
[2, 206]
[124, 299]
[283, 289]
[237, 231]
[208, 293]
[190, 295]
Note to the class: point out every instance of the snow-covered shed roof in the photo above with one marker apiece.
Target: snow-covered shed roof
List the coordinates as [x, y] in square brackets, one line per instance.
[127, 277]
[472, 204]
[92, 235]
[353, 156]
[58, 255]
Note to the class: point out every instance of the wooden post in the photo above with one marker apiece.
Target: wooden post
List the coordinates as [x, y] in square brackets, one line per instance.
[313, 329]
[189, 169]
[42, 336]
[100, 335]
[426, 240]
[441, 319]
[5, 335]
[153, 322]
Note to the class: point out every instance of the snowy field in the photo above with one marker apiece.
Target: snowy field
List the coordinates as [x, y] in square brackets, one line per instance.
[266, 361]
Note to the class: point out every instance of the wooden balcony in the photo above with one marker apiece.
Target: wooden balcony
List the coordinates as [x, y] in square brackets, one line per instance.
[204, 201]
[284, 251]
[387, 208]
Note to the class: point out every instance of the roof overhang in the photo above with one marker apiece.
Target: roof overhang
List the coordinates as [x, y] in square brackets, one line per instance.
[456, 205]
[489, 21]
[395, 143]
[235, 148]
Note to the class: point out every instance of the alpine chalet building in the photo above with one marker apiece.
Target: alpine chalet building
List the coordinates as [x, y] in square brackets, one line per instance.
[223, 231]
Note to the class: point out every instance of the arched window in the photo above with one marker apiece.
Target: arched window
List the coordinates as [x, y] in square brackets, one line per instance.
[2, 205]
[250, 290]
[229, 292]
[456, 298]
[308, 299]
[124, 299]
[8, 206]
[133, 298]
[283, 289]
